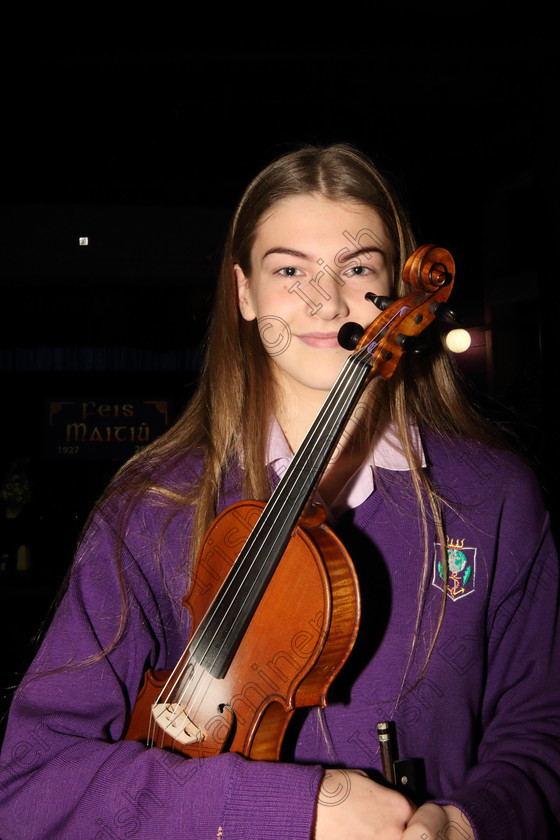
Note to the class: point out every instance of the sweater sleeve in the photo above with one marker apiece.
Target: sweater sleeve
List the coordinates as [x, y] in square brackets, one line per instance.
[513, 791]
[66, 770]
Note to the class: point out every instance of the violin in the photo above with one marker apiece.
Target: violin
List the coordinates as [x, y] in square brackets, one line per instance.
[274, 598]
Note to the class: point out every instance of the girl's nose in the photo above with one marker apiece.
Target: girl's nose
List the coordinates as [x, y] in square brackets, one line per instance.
[329, 293]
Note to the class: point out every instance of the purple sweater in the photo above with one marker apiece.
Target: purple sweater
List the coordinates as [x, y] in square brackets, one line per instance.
[484, 716]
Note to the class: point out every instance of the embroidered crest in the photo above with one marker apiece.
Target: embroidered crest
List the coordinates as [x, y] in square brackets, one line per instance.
[461, 565]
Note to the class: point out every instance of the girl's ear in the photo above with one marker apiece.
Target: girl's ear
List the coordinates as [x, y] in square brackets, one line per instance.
[243, 294]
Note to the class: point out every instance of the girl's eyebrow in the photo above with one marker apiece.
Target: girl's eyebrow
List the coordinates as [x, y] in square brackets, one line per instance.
[291, 252]
[367, 250]
[345, 257]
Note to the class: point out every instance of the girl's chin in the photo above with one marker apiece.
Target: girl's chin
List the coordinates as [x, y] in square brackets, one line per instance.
[309, 381]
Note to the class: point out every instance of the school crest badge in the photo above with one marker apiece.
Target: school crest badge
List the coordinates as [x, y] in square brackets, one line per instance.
[461, 568]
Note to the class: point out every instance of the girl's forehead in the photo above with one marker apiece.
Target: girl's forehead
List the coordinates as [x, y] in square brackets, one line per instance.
[313, 215]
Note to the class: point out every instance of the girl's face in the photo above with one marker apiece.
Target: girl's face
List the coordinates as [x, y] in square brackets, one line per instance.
[312, 262]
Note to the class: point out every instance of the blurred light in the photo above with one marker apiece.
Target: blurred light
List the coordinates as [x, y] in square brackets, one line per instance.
[458, 340]
[83, 241]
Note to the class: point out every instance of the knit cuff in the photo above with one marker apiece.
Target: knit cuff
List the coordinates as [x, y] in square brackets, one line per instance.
[272, 800]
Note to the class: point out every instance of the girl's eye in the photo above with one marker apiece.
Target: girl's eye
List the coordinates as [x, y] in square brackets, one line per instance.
[358, 271]
[289, 271]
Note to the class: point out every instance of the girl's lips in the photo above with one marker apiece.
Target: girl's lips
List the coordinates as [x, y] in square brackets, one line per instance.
[320, 339]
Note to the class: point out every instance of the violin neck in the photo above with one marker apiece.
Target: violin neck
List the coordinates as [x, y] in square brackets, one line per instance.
[222, 628]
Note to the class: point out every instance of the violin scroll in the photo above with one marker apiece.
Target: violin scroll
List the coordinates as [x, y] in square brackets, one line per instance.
[429, 268]
[431, 272]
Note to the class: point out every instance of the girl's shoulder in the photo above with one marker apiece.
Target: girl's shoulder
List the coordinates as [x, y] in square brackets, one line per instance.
[487, 462]
[493, 477]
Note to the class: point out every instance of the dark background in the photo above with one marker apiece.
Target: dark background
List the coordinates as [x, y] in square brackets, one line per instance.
[144, 143]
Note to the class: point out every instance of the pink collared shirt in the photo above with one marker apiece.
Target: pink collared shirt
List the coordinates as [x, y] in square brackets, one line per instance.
[385, 452]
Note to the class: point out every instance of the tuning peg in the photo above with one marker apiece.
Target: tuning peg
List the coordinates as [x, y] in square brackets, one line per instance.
[421, 350]
[443, 310]
[381, 301]
[412, 344]
[349, 335]
[407, 342]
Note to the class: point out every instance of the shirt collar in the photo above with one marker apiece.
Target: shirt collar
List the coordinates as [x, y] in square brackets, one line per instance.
[386, 453]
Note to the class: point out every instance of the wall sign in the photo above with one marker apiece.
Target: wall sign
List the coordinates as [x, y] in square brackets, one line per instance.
[94, 428]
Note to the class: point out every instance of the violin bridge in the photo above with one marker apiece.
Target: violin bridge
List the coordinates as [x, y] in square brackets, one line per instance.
[174, 721]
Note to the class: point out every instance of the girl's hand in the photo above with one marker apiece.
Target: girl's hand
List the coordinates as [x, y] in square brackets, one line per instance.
[352, 806]
[435, 821]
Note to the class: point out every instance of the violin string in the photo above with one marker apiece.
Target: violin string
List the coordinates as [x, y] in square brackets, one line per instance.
[196, 697]
[180, 669]
[153, 717]
[178, 700]
[183, 685]
[197, 692]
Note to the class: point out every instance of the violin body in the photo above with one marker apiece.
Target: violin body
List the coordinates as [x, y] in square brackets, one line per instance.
[297, 641]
